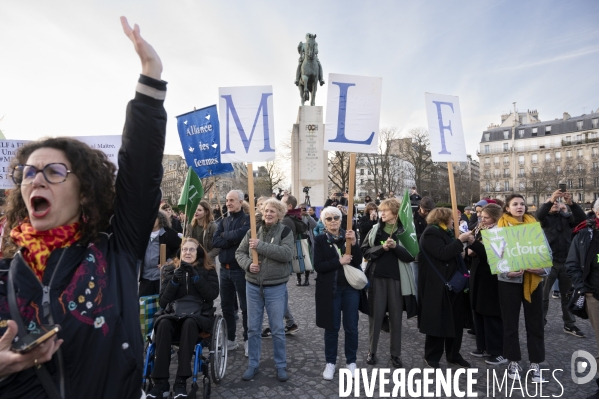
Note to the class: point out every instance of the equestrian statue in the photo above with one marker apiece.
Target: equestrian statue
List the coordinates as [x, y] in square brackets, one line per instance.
[309, 70]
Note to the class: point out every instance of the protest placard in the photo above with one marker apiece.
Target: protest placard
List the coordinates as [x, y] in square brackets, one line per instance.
[247, 132]
[199, 132]
[515, 248]
[353, 113]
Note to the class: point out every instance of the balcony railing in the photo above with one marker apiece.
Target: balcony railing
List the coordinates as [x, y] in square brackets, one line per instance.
[506, 175]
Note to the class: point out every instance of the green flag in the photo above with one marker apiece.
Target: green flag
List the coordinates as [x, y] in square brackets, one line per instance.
[408, 237]
[191, 194]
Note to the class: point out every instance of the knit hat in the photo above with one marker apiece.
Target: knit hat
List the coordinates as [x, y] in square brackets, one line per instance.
[481, 203]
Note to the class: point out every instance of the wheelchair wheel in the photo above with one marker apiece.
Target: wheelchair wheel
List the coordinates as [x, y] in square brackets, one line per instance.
[218, 349]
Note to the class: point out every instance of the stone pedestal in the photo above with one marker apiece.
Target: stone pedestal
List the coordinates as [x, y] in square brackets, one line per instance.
[309, 161]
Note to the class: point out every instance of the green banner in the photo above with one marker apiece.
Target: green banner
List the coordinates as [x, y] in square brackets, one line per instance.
[408, 237]
[515, 248]
[191, 194]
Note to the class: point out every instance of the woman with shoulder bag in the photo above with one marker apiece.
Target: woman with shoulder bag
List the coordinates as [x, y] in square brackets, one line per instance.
[523, 289]
[391, 280]
[441, 310]
[334, 294]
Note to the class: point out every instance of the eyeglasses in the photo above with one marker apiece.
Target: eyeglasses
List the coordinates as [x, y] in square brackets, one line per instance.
[54, 173]
[190, 250]
[330, 219]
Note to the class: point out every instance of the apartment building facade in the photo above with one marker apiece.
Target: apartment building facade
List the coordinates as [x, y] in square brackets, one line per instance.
[528, 156]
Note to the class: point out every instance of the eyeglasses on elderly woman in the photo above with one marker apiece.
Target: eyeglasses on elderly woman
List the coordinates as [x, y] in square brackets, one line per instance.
[54, 173]
[331, 218]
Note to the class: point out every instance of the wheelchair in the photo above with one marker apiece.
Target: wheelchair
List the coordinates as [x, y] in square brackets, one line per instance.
[214, 365]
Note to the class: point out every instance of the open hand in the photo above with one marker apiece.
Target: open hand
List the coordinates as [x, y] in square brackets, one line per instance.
[151, 65]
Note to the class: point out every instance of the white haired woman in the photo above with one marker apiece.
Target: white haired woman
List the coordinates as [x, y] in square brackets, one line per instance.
[266, 285]
[333, 293]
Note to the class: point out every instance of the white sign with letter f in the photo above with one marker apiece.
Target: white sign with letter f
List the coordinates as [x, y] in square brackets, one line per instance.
[246, 124]
[445, 128]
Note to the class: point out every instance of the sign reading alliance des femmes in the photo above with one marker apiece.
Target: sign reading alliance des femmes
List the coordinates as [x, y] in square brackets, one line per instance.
[109, 145]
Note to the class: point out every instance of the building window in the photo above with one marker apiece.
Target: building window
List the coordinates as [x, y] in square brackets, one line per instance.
[535, 170]
[496, 172]
[361, 181]
[534, 132]
[506, 134]
[570, 183]
[521, 172]
[487, 136]
[506, 173]
[568, 154]
[534, 199]
[547, 157]
[534, 158]
[559, 169]
[506, 147]
[596, 182]
[507, 186]
[595, 151]
[487, 149]
[487, 161]
[361, 172]
[579, 153]
[547, 129]
[595, 123]
[579, 125]
[506, 160]
[568, 139]
[496, 160]
[578, 138]
[580, 197]
[487, 187]
[369, 172]
[521, 159]
[558, 156]
[521, 133]
[497, 186]
[521, 186]
[579, 167]
[580, 183]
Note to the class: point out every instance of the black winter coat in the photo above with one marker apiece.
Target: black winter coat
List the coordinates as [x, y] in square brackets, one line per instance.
[92, 288]
[200, 283]
[558, 228]
[576, 263]
[419, 224]
[484, 291]
[229, 233]
[365, 225]
[327, 265]
[437, 303]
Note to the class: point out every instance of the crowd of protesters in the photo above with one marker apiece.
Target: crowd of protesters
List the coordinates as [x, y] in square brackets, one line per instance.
[67, 205]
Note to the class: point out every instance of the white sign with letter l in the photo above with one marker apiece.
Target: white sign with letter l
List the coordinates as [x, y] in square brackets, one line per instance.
[246, 124]
[445, 128]
[353, 113]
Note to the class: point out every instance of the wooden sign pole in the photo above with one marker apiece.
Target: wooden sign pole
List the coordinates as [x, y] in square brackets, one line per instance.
[253, 233]
[454, 201]
[350, 200]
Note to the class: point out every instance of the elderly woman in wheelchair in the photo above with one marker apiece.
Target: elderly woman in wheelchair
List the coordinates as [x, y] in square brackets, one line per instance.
[189, 288]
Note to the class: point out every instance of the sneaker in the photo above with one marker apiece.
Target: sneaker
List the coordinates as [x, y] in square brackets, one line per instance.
[267, 333]
[574, 331]
[514, 370]
[180, 389]
[161, 389]
[293, 329]
[245, 348]
[479, 353]
[396, 361]
[555, 294]
[496, 360]
[329, 372]
[250, 373]
[535, 373]
[351, 367]
[282, 374]
[232, 345]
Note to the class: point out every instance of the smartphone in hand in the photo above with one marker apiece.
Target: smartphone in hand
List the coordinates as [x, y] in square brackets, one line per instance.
[33, 340]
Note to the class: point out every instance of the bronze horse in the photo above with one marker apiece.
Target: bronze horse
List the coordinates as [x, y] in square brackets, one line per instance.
[309, 71]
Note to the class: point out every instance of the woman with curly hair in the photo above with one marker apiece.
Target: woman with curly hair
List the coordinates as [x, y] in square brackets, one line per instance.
[76, 235]
[202, 228]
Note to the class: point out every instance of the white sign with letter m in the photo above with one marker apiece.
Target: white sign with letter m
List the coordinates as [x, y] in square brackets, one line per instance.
[246, 124]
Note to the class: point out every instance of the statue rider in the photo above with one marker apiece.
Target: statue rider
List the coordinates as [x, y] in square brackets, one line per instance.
[300, 50]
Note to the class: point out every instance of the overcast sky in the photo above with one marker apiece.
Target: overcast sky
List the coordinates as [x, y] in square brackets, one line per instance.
[67, 68]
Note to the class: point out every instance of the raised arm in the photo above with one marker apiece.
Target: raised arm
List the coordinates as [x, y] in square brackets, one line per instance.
[140, 156]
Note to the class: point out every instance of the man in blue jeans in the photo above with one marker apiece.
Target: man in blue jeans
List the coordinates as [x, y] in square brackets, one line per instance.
[228, 236]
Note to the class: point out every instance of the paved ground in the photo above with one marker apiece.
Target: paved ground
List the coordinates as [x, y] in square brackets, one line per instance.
[305, 357]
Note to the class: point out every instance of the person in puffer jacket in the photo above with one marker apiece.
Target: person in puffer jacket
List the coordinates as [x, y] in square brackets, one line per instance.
[189, 288]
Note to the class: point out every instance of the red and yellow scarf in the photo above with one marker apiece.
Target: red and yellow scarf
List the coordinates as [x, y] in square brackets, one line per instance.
[38, 245]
